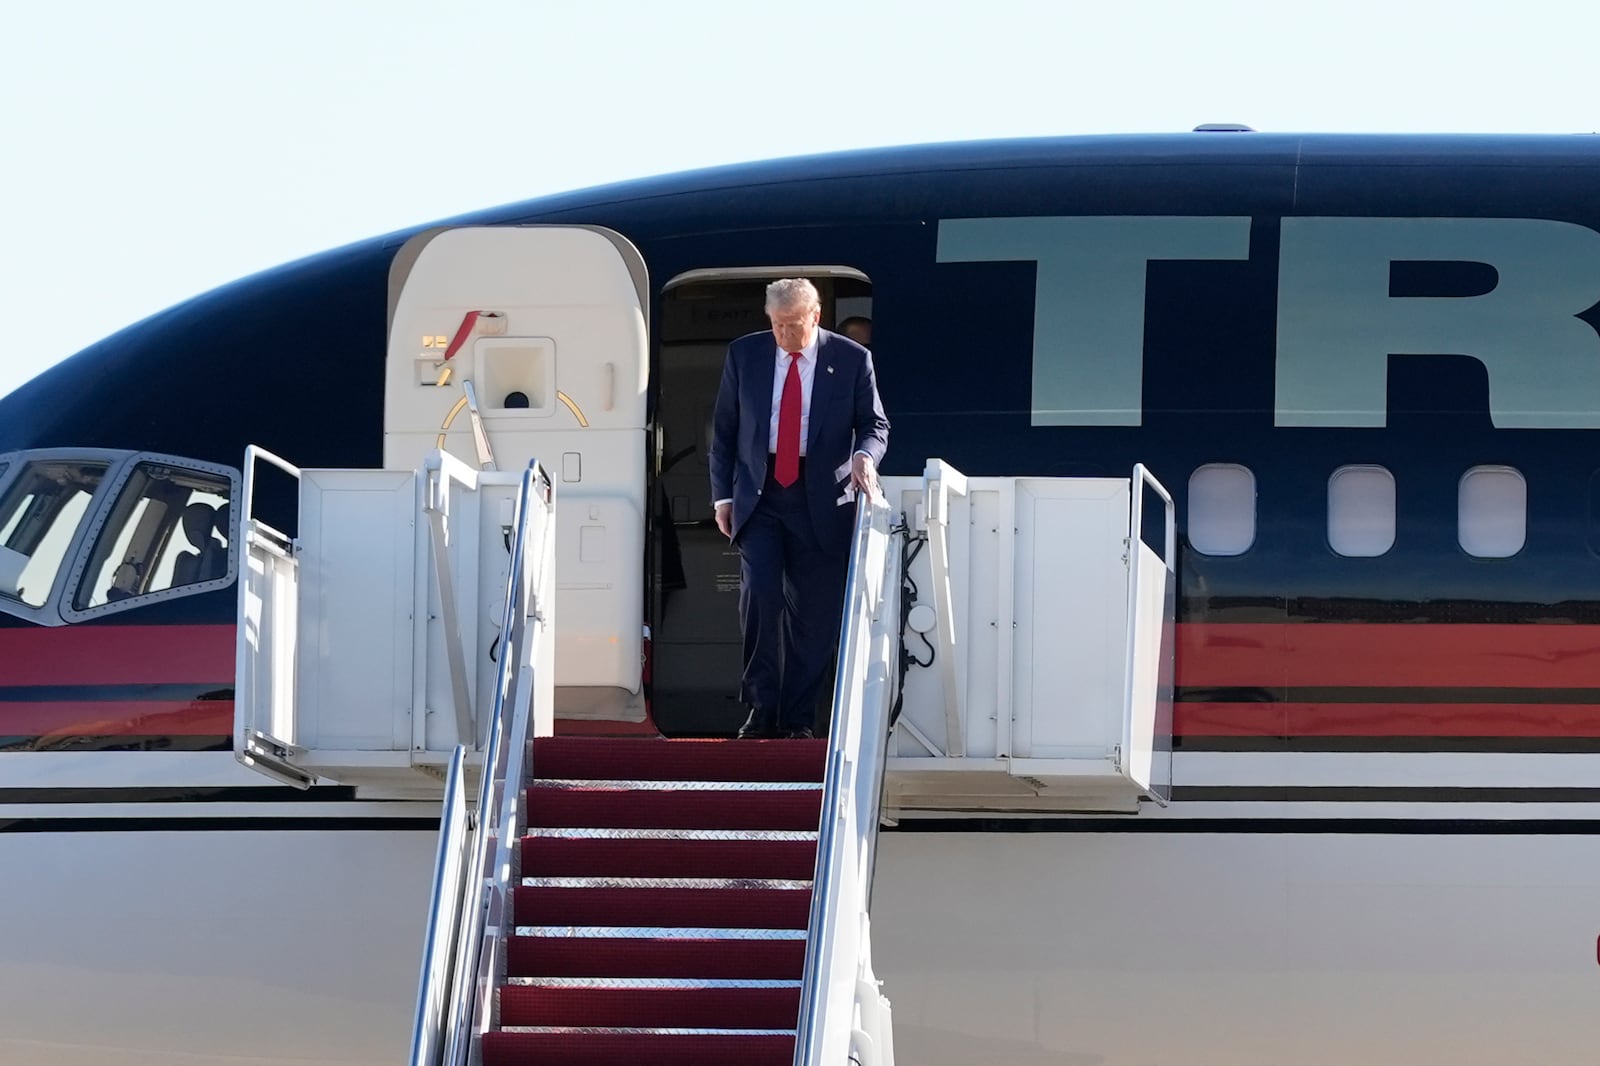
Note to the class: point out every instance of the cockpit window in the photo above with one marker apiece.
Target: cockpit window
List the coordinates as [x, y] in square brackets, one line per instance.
[90, 532]
[39, 516]
[168, 528]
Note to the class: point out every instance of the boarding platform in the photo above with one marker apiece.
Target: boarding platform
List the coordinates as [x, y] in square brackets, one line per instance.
[1032, 667]
[1039, 630]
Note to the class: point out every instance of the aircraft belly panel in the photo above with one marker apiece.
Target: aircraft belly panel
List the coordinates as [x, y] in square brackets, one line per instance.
[254, 948]
[1237, 949]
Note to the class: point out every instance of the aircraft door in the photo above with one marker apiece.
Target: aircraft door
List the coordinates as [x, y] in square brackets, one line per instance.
[508, 344]
[696, 647]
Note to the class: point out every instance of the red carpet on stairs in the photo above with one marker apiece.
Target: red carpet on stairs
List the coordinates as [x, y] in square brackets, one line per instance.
[654, 857]
[623, 1048]
[749, 960]
[642, 808]
[624, 853]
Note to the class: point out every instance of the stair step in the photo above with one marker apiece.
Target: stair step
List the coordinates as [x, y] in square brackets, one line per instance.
[708, 908]
[608, 881]
[752, 960]
[680, 1008]
[620, 808]
[599, 857]
[632, 1049]
[660, 932]
[627, 758]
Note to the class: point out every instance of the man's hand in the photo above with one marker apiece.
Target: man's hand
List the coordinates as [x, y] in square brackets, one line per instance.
[725, 519]
[863, 475]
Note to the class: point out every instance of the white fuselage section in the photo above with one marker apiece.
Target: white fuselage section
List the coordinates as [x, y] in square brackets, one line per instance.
[1238, 949]
[270, 946]
[247, 933]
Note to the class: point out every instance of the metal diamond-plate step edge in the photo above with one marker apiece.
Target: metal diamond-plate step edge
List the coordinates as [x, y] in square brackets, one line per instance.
[647, 982]
[672, 834]
[659, 932]
[662, 882]
[649, 1032]
[568, 784]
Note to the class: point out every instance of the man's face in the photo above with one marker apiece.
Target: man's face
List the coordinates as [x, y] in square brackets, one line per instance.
[795, 327]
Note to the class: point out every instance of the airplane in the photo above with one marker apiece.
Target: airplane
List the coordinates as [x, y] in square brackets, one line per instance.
[1367, 368]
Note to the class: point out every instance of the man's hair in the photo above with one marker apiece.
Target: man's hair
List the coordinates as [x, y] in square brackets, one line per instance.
[792, 293]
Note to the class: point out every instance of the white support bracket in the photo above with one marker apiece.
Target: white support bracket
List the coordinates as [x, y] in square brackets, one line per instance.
[436, 503]
[941, 481]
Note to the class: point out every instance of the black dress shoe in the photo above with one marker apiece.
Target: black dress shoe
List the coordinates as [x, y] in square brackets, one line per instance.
[757, 727]
[799, 734]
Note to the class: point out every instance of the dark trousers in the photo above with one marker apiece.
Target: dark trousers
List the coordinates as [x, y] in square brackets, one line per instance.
[791, 595]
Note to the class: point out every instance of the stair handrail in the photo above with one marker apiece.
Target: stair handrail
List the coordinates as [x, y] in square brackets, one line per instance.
[449, 890]
[842, 1012]
[474, 918]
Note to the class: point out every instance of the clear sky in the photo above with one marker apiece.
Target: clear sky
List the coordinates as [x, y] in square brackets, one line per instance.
[154, 150]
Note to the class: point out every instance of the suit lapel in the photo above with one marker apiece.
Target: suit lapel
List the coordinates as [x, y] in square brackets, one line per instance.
[821, 392]
[758, 376]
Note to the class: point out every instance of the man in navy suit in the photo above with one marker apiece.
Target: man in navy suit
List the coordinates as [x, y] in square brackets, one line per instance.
[798, 426]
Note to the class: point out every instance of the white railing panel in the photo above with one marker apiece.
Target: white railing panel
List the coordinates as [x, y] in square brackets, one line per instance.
[1148, 739]
[266, 731]
[358, 557]
[1151, 644]
[1071, 599]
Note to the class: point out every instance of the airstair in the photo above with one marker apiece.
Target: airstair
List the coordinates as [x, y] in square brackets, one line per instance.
[675, 902]
[1006, 646]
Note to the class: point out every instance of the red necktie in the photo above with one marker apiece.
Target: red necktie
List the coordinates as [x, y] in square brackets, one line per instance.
[786, 467]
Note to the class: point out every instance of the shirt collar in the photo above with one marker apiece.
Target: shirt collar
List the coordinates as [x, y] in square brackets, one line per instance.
[807, 354]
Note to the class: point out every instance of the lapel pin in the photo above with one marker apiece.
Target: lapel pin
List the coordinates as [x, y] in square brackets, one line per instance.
[830, 370]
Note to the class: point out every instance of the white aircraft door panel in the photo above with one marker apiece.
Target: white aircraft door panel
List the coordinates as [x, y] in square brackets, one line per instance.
[547, 326]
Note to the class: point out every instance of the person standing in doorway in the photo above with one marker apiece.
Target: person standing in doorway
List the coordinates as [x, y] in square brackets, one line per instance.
[859, 329]
[797, 431]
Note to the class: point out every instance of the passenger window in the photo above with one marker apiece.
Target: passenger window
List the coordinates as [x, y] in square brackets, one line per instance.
[38, 517]
[168, 528]
[1361, 511]
[1222, 509]
[1492, 512]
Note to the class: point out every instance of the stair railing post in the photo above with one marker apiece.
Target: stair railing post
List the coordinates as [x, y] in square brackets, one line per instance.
[940, 482]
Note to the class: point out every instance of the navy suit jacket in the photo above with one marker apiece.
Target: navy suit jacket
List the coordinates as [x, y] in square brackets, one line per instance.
[846, 417]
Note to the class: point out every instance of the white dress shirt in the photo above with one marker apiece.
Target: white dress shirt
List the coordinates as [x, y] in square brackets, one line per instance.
[808, 371]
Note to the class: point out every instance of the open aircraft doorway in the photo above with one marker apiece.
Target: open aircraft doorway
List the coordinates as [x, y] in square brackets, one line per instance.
[694, 571]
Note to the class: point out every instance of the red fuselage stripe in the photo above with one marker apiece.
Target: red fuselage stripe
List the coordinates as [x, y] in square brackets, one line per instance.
[117, 655]
[1372, 655]
[1386, 720]
[116, 718]
[1270, 658]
